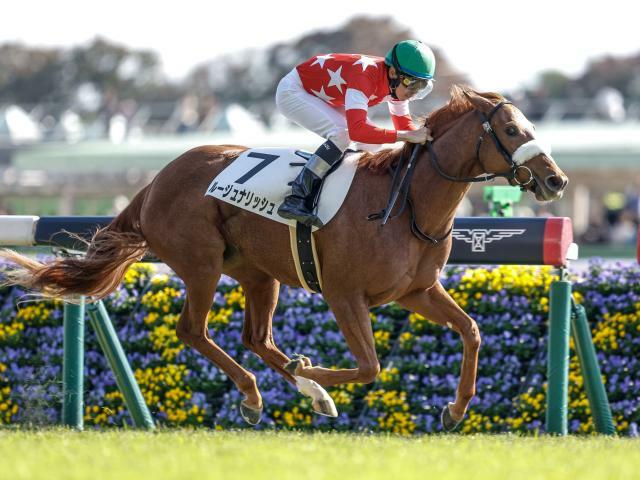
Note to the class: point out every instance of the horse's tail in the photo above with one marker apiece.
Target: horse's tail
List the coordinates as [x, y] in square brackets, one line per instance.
[112, 250]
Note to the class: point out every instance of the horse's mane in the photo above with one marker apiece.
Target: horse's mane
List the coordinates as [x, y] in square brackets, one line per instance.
[438, 121]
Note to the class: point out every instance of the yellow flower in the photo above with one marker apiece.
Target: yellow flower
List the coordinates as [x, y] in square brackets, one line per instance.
[396, 417]
[10, 330]
[164, 387]
[162, 300]
[382, 339]
[165, 340]
[220, 316]
[235, 298]
[138, 271]
[388, 375]
[417, 322]
[340, 397]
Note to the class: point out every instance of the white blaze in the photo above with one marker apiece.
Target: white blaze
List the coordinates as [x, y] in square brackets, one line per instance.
[532, 148]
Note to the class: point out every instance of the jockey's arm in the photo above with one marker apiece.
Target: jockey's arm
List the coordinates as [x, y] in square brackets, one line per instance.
[356, 106]
[406, 130]
[360, 130]
[400, 115]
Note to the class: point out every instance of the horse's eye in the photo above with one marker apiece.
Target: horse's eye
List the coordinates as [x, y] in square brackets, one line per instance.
[512, 131]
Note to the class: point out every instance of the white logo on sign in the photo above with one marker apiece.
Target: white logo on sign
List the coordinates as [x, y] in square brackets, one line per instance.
[479, 237]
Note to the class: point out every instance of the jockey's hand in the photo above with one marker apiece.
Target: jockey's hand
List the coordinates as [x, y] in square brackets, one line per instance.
[420, 135]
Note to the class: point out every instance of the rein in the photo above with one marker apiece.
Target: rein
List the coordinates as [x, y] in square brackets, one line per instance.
[401, 186]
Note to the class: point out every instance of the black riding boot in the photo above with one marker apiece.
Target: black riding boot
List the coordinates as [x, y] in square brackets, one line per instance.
[299, 204]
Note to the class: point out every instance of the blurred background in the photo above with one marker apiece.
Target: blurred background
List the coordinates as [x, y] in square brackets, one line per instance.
[94, 104]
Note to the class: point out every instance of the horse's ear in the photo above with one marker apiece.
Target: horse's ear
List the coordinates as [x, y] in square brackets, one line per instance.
[479, 102]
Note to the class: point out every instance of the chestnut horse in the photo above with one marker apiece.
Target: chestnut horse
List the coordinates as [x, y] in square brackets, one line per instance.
[363, 263]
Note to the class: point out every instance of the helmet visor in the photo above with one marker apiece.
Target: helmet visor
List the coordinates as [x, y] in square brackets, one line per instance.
[417, 88]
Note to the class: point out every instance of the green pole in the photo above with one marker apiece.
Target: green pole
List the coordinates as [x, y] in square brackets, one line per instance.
[558, 356]
[119, 365]
[73, 365]
[501, 199]
[597, 395]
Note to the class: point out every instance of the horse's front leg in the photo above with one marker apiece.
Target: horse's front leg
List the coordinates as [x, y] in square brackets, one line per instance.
[436, 305]
[352, 317]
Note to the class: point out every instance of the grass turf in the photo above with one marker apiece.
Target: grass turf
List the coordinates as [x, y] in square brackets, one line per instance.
[59, 453]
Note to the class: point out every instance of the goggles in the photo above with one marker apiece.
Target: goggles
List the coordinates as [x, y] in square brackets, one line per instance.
[417, 88]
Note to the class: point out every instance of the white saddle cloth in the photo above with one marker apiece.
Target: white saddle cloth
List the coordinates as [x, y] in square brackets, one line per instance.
[258, 181]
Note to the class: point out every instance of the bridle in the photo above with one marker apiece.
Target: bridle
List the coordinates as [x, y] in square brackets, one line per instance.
[511, 175]
[401, 185]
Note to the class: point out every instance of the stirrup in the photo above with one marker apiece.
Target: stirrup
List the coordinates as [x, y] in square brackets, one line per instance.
[304, 217]
[310, 220]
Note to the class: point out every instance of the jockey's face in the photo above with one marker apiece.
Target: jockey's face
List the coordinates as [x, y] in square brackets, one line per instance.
[401, 92]
[416, 89]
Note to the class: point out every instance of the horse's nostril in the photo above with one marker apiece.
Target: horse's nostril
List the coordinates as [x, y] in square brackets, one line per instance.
[556, 183]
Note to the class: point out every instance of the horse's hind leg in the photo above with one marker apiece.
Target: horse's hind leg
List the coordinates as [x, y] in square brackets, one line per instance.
[182, 227]
[201, 281]
[261, 298]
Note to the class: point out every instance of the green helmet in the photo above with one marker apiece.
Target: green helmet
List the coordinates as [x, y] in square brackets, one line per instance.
[412, 57]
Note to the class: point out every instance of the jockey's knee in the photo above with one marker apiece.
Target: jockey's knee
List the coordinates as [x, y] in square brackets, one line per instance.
[368, 372]
[368, 147]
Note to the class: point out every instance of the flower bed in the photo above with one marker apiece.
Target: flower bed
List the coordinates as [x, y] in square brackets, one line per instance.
[420, 360]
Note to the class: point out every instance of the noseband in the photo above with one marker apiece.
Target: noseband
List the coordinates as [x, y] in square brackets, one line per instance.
[511, 175]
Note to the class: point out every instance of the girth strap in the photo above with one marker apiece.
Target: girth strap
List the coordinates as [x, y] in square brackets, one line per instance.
[305, 257]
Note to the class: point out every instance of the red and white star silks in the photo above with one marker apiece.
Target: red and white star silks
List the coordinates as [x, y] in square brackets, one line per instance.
[355, 82]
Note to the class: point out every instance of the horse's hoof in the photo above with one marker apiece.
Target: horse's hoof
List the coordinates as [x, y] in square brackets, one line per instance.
[321, 401]
[251, 415]
[325, 407]
[448, 423]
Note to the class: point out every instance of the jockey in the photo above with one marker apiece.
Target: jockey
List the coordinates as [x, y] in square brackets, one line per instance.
[330, 95]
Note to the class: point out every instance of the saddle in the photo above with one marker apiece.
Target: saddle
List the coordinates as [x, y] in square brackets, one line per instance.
[260, 178]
